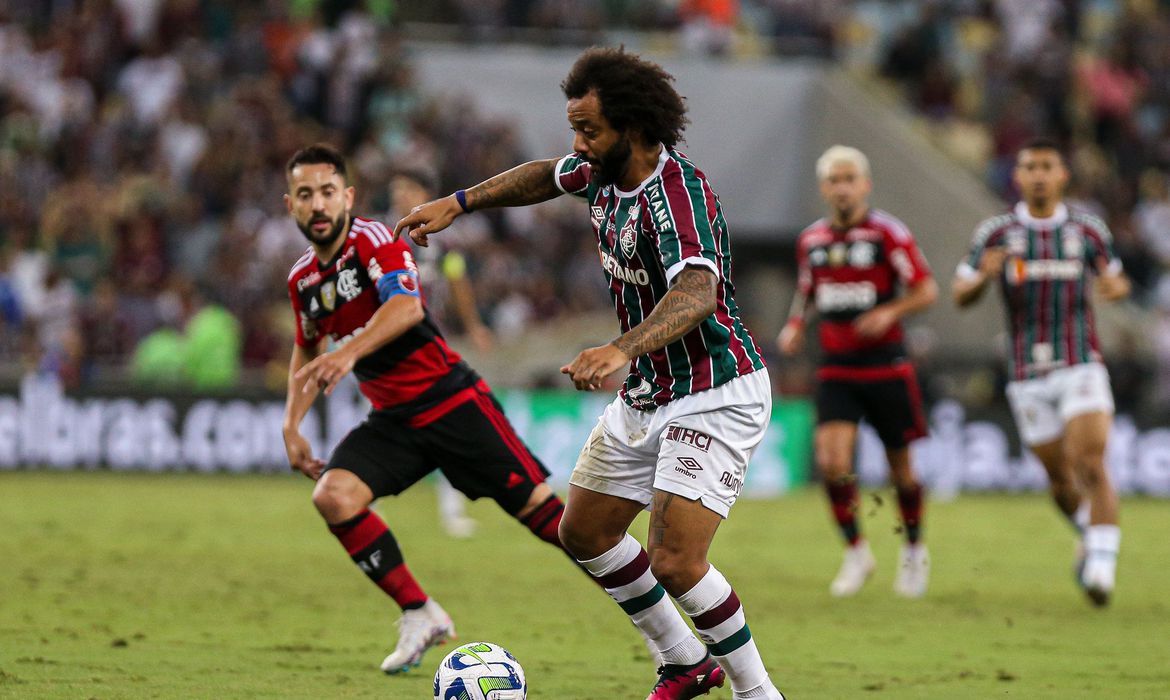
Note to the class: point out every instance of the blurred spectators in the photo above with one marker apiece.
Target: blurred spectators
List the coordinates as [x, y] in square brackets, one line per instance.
[1095, 76]
[142, 144]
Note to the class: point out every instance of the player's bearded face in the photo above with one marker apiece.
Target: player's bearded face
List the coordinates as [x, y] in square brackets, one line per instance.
[609, 167]
[320, 229]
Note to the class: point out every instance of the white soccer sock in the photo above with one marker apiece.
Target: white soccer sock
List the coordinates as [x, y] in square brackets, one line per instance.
[720, 622]
[624, 571]
[1102, 542]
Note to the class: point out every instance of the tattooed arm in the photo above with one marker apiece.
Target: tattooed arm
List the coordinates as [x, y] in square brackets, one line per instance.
[690, 300]
[529, 183]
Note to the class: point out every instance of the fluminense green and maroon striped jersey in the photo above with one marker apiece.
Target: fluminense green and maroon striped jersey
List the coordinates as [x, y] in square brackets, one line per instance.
[646, 237]
[1045, 284]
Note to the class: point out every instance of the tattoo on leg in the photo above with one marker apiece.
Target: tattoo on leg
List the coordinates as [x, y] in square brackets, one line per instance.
[658, 522]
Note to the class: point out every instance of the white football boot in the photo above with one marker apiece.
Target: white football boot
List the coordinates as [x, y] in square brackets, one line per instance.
[856, 568]
[419, 630]
[1101, 545]
[1098, 579]
[913, 571]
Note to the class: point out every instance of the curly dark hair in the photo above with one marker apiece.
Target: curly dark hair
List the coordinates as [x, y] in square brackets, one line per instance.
[634, 93]
[317, 154]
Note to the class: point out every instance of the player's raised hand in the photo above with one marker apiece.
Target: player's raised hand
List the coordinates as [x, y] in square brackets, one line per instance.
[593, 365]
[791, 338]
[324, 371]
[300, 455]
[991, 264]
[425, 219]
[1112, 286]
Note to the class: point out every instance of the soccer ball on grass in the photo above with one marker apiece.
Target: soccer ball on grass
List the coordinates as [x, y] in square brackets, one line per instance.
[480, 671]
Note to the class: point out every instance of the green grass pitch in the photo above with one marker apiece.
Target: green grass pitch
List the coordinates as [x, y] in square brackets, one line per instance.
[185, 586]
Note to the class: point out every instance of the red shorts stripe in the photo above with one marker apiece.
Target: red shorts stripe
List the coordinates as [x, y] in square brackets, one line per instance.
[505, 431]
[898, 371]
[442, 408]
[915, 395]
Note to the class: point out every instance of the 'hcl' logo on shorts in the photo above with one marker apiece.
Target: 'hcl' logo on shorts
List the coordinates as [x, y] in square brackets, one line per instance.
[687, 436]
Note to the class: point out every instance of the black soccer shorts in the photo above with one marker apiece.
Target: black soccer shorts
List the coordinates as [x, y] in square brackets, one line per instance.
[473, 445]
[888, 398]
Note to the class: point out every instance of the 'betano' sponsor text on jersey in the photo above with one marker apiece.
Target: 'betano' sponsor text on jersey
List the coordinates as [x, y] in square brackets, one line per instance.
[410, 374]
[1045, 284]
[845, 273]
[645, 238]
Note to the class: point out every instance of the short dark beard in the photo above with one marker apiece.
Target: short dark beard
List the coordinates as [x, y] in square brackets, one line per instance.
[612, 164]
[331, 236]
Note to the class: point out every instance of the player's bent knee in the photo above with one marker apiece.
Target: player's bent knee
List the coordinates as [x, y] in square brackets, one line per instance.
[540, 494]
[337, 498]
[676, 571]
[833, 469]
[584, 541]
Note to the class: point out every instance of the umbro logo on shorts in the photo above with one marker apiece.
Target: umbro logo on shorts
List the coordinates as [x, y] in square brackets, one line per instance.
[690, 464]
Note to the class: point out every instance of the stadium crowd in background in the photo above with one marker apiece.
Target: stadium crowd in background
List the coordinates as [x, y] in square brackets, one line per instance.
[141, 171]
[138, 164]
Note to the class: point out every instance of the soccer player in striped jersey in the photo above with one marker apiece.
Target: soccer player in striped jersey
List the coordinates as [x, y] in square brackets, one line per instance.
[1045, 257]
[862, 272]
[358, 288]
[696, 399]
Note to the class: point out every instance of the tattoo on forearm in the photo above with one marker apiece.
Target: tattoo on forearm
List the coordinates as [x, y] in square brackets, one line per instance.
[658, 522]
[529, 183]
[689, 301]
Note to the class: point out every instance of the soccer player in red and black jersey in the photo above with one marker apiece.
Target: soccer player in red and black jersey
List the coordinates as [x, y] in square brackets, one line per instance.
[862, 272]
[358, 288]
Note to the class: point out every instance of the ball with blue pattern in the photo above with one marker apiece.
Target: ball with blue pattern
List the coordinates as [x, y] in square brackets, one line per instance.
[480, 671]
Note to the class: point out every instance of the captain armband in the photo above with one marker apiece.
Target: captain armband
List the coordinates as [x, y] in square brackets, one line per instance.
[398, 282]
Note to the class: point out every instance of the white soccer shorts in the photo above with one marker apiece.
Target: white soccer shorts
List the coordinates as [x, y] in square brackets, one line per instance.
[697, 447]
[1043, 405]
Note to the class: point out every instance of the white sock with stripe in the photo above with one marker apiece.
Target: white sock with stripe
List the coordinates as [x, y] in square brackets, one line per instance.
[624, 571]
[720, 622]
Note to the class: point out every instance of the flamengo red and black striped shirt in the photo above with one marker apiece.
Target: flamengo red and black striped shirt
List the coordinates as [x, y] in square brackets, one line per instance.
[411, 374]
[1045, 283]
[845, 273]
[645, 237]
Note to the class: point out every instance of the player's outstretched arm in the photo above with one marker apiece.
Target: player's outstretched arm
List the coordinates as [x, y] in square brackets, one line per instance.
[690, 300]
[530, 183]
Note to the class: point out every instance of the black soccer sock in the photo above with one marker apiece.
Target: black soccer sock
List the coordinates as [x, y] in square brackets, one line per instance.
[843, 498]
[545, 520]
[910, 503]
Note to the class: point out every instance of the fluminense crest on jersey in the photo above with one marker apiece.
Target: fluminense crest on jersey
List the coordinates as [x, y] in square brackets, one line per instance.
[629, 233]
